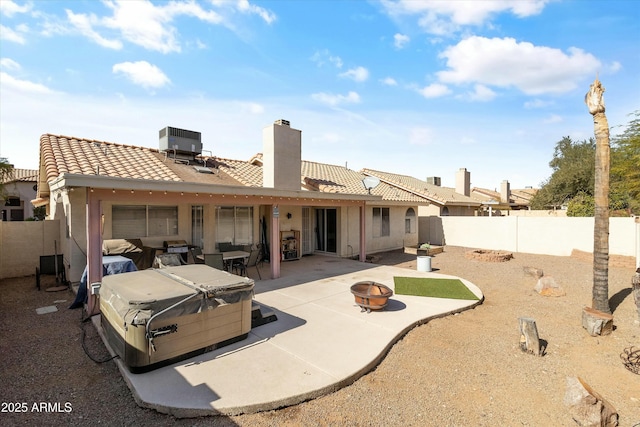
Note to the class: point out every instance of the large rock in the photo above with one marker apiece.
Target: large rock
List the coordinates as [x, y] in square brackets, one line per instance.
[587, 407]
[635, 286]
[533, 272]
[596, 322]
[548, 287]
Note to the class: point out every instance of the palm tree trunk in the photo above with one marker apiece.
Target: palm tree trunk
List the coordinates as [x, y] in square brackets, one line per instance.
[595, 102]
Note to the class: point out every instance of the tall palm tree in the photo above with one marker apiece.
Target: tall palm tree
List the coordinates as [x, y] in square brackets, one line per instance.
[595, 103]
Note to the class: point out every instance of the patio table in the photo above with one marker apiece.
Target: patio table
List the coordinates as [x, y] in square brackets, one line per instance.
[230, 256]
[114, 264]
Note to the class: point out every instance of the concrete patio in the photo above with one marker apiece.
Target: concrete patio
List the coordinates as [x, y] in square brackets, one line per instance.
[320, 342]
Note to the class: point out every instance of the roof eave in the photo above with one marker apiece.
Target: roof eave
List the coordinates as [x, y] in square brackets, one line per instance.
[105, 182]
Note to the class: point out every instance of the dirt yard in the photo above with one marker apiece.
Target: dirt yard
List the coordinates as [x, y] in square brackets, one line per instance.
[462, 370]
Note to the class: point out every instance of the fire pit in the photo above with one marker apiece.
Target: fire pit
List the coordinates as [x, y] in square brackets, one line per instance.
[488, 255]
[371, 295]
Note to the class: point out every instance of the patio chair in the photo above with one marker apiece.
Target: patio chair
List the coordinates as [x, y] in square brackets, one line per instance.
[214, 260]
[195, 252]
[168, 260]
[225, 246]
[252, 261]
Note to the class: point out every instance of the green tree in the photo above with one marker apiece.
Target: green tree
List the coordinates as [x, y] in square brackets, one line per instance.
[5, 172]
[582, 204]
[573, 173]
[625, 165]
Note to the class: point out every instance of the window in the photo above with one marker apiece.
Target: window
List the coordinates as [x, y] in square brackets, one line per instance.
[380, 222]
[234, 224]
[132, 221]
[410, 221]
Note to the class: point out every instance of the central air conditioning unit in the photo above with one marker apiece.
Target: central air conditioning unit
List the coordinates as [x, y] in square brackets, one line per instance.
[180, 141]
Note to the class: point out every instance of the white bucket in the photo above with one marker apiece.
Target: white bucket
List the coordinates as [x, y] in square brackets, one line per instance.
[424, 263]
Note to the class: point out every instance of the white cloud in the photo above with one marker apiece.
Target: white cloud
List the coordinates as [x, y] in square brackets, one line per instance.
[614, 67]
[151, 25]
[554, 118]
[537, 103]
[434, 90]
[482, 93]
[507, 63]
[358, 74]
[9, 64]
[11, 35]
[421, 136]
[253, 107]
[268, 16]
[389, 81]
[84, 25]
[10, 8]
[446, 17]
[9, 81]
[336, 99]
[142, 74]
[321, 57]
[400, 40]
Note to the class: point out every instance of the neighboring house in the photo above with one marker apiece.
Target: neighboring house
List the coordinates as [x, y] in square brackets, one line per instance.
[101, 190]
[20, 189]
[500, 203]
[440, 201]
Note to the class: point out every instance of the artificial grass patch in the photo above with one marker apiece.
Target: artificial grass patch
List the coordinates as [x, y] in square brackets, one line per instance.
[430, 287]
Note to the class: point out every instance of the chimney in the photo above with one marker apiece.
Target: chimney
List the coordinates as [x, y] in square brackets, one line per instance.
[282, 151]
[463, 182]
[505, 192]
[434, 180]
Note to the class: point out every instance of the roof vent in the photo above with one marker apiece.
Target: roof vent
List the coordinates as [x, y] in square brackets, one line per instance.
[282, 122]
[202, 169]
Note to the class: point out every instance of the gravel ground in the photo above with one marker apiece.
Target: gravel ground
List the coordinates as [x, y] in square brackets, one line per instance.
[460, 370]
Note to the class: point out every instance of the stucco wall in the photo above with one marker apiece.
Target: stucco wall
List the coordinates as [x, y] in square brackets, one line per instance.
[22, 243]
[538, 235]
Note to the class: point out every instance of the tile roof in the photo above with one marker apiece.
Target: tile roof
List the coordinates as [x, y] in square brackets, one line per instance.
[63, 154]
[66, 154]
[518, 196]
[435, 193]
[339, 179]
[21, 175]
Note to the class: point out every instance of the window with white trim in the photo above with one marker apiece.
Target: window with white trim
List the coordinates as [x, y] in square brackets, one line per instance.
[234, 224]
[381, 226]
[133, 221]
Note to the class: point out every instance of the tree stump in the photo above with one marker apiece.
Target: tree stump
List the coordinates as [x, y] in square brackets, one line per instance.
[596, 322]
[529, 341]
[588, 408]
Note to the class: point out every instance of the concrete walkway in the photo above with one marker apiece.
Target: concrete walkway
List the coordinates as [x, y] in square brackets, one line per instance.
[320, 342]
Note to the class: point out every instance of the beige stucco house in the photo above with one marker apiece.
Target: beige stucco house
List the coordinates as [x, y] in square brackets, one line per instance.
[102, 190]
[19, 189]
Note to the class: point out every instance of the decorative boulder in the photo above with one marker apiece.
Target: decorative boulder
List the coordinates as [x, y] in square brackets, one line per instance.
[533, 272]
[588, 408]
[548, 287]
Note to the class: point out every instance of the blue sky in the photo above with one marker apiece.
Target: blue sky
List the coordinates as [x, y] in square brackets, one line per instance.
[421, 88]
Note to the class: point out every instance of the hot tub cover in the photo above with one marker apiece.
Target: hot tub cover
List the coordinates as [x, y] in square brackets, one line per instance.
[172, 291]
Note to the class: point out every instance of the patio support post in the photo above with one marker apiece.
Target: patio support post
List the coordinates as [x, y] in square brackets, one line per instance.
[363, 234]
[275, 242]
[94, 249]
